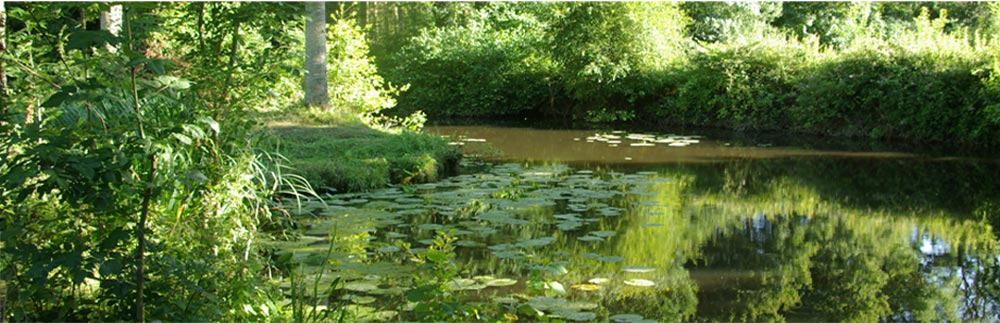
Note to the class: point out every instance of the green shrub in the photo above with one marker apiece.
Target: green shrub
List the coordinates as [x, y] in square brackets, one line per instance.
[742, 87]
[472, 71]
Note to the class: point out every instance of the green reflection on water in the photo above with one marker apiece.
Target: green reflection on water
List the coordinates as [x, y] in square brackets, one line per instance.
[821, 239]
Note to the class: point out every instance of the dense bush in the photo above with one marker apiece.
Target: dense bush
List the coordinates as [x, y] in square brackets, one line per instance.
[742, 87]
[886, 70]
[492, 69]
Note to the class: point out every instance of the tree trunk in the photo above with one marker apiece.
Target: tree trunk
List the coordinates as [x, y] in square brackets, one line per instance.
[315, 80]
[111, 21]
[3, 50]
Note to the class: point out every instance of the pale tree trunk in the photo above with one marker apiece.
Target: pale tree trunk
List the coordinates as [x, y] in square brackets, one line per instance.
[3, 115]
[3, 51]
[111, 21]
[315, 80]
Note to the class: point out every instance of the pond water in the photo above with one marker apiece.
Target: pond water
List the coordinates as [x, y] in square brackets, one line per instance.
[585, 225]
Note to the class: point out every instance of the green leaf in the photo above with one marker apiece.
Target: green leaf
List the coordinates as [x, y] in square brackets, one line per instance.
[83, 39]
[157, 66]
[209, 121]
[437, 256]
[182, 138]
[530, 311]
[57, 99]
[171, 82]
[420, 293]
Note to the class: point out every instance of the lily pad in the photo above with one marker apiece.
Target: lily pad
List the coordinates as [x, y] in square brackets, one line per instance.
[639, 282]
[626, 318]
[360, 299]
[637, 269]
[388, 249]
[590, 238]
[579, 316]
[510, 254]
[586, 287]
[611, 258]
[468, 243]
[536, 242]
[599, 281]
[603, 233]
[430, 226]
[464, 284]
[361, 286]
[499, 282]
[569, 225]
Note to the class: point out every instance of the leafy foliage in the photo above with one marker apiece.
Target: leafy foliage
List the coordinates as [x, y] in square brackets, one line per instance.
[119, 178]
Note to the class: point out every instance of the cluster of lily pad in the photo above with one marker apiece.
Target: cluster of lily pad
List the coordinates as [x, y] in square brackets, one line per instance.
[509, 214]
[617, 137]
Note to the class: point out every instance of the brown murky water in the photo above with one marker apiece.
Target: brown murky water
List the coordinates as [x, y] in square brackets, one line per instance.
[573, 146]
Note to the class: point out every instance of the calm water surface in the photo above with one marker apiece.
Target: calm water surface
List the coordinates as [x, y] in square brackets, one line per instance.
[686, 227]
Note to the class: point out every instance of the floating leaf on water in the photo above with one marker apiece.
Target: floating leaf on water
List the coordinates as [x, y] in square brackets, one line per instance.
[544, 303]
[464, 284]
[626, 318]
[484, 230]
[536, 242]
[639, 282]
[500, 217]
[360, 299]
[603, 233]
[388, 249]
[555, 287]
[579, 316]
[501, 247]
[590, 238]
[568, 225]
[567, 216]
[506, 300]
[586, 287]
[599, 281]
[678, 144]
[499, 282]
[642, 144]
[647, 203]
[651, 225]
[510, 254]
[468, 243]
[460, 233]
[361, 286]
[610, 211]
[637, 269]
[431, 226]
[611, 258]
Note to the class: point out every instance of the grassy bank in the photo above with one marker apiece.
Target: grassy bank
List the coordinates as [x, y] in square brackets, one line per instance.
[344, 154]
